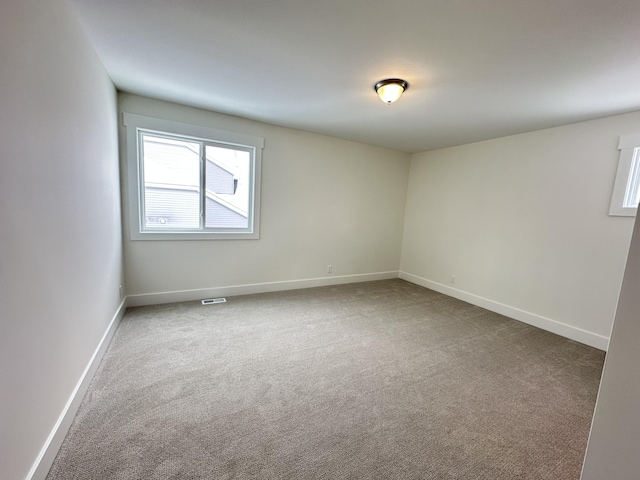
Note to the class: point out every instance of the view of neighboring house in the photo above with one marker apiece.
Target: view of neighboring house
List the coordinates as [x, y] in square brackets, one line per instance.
[171, 172]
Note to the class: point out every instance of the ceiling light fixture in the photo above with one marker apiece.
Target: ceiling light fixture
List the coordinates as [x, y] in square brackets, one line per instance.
[389, 90]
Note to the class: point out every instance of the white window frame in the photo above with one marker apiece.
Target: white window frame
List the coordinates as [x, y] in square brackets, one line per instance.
[627, 178]
[137, 123]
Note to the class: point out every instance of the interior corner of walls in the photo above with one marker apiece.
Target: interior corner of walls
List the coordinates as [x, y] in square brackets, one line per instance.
[48, 453]
[568, 331]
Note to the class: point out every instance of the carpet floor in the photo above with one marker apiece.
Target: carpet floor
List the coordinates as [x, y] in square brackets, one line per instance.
[377, 380]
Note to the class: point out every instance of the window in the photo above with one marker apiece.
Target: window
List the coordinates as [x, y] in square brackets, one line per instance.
[626, 190]
[189, 182]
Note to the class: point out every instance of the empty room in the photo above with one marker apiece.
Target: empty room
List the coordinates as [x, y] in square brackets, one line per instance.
[299, 240]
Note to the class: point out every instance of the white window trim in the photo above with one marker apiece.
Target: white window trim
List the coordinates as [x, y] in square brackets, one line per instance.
[627, 145]
[134, 123]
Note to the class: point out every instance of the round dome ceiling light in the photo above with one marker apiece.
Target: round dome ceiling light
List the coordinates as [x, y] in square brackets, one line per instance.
[391, 89]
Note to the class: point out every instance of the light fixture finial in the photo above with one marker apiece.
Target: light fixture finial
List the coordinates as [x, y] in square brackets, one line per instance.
[391, 89]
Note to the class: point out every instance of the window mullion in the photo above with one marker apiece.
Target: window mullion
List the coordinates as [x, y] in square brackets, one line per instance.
[203, 192]
[141, 174]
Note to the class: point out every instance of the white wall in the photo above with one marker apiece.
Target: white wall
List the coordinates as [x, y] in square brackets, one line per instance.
[522, 223]
[612, 452]
[324, 202]
[60, 234]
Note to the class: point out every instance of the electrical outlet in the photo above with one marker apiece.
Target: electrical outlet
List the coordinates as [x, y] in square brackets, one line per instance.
[453, 279]
[120, 291]
[329, 268]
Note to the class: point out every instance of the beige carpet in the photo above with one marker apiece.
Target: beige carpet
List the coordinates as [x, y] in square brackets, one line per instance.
[380, 380]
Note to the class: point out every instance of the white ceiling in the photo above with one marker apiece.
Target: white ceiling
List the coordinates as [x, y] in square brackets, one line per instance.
[477, 69]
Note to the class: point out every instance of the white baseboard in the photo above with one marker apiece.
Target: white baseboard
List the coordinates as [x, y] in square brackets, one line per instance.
[588, 338]
[230, 291]
[47, 455]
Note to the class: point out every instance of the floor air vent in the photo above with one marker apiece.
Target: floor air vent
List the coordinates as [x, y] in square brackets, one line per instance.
[211, 301]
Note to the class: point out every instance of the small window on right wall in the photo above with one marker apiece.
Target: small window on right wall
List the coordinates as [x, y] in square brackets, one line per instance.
[626, 190]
